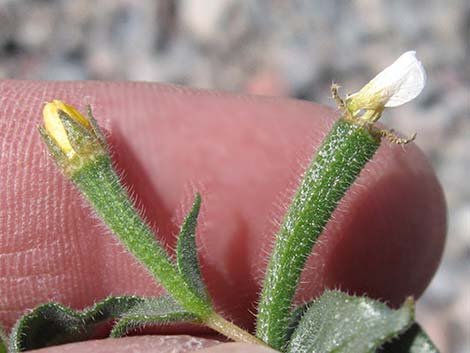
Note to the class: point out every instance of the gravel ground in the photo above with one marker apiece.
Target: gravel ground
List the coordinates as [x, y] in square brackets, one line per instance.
[289, 48]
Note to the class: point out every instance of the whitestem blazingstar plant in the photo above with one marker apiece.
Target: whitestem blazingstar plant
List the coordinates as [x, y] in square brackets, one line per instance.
[335, 322]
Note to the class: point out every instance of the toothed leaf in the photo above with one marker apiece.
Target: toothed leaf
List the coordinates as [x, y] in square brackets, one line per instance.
[295, 317]
[414, 340]
[186, 252]
[337, 322]
[53, 324]
[161, 310]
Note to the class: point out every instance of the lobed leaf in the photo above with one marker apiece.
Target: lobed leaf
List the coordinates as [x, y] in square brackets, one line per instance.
[337, 322]
[186, 252]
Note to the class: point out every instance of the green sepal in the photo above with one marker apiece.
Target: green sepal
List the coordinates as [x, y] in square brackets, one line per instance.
[81, 139]
[340, 323]
[53, 324]
[59, 157]
[186, 252]
[413, 340]
[96, 128]
[163, 310]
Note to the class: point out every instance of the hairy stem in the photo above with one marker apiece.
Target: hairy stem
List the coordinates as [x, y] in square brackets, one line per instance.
[338, 162]
[101, 186]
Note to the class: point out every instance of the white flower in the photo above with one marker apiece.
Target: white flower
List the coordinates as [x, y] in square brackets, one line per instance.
[396, 85]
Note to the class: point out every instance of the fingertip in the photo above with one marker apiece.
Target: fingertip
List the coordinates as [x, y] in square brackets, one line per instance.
[386, 238]
[237, 348]
[154, 344]
[141, 344]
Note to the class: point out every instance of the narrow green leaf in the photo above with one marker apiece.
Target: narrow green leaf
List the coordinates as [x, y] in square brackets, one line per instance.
[340, 323]
[414, 340]
[186, 252]
[52, 324]
[161, 310]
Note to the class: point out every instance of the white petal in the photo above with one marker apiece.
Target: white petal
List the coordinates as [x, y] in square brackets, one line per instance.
[400, 82]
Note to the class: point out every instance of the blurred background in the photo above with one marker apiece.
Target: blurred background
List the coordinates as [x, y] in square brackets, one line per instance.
[283, 48]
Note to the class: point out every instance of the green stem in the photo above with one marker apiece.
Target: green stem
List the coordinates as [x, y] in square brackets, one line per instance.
[101, 186]
[338, 162]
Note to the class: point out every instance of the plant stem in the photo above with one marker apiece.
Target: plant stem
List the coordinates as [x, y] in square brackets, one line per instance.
[101, 186]
[338, 162]
[228, 329]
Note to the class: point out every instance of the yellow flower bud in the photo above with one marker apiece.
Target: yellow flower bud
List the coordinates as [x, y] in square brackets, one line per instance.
[55, 128]
[72, 138]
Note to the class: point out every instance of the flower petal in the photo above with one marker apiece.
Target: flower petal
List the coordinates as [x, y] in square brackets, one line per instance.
[400, 82]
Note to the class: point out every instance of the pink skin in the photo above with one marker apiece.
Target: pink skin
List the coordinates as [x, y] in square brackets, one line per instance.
[245, 155]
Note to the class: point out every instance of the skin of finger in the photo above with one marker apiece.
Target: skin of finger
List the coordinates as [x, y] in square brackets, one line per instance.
[141, 344]
[156, 344]
[237, 348]
[245, 155]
